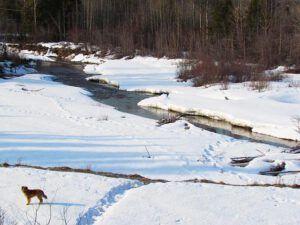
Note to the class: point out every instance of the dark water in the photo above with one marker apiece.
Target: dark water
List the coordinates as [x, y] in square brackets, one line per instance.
[73, 75]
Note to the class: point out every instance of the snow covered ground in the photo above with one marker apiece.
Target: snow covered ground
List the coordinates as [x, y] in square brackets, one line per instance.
[50, 124]
[73, 198]
[145, 74]
[201, 204]
[271, 112]
[47, 123]
[86, 199]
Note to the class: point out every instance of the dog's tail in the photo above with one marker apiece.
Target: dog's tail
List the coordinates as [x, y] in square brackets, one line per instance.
[44, 196]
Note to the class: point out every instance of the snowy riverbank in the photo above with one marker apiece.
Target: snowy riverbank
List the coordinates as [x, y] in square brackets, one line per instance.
[50, 124]
[270, 112]
[46, 123]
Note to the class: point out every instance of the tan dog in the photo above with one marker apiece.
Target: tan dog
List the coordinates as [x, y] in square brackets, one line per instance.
[30, 193]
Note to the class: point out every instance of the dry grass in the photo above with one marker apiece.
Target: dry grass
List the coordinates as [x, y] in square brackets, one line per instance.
[277, 184]
[88, 170]
[146, 180]
[260, 85]
[295, 70]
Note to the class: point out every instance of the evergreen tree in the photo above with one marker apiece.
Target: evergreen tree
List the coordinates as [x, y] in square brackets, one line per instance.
[254, 16]
[222, 16]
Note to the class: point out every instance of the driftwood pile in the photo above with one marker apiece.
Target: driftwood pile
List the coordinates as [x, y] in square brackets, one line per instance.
[169, 119]
[274, 170]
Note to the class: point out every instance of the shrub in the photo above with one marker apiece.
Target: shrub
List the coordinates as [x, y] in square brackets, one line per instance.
[208, 71]
[260, 85]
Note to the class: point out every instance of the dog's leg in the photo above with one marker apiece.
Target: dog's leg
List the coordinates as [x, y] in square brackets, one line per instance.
[41, 199]
[28, 200]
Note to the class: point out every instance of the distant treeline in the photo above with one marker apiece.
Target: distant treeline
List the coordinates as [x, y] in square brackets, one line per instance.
[265, 31]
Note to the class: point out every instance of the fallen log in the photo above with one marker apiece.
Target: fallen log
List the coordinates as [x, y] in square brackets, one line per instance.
[243, 161]
[276, 173]
[37, 90]
[274, 170]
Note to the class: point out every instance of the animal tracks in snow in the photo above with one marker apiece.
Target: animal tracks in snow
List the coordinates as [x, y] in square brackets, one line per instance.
[112, 197]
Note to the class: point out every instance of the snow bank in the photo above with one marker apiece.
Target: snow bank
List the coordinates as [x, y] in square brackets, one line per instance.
[102, 80]
[195, 204]
[270, 112]
[62, 44]
[30, 55]
[145, 74]
[92, 58]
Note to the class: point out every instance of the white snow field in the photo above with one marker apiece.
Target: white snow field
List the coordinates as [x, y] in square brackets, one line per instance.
[50, 124]
[146, 74]
[203, 204]
[46, 123]
[83, 199]
[73, 198]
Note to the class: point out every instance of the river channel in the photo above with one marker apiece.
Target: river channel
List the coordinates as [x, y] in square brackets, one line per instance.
[125, 101]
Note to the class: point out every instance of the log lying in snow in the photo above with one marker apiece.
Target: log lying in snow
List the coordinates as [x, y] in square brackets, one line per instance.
[274, 170]
[276, 173]
[295, 150]
[37, 90]
[170, 119]
[243, 161]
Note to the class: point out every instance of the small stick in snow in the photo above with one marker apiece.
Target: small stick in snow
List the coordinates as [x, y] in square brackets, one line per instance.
[148, 153]
[243, 161]
[25, 89]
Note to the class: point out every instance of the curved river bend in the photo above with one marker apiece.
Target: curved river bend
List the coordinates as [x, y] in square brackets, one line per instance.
[125, 101]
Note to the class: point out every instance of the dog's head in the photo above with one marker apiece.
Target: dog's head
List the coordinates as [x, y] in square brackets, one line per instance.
[24, 188]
